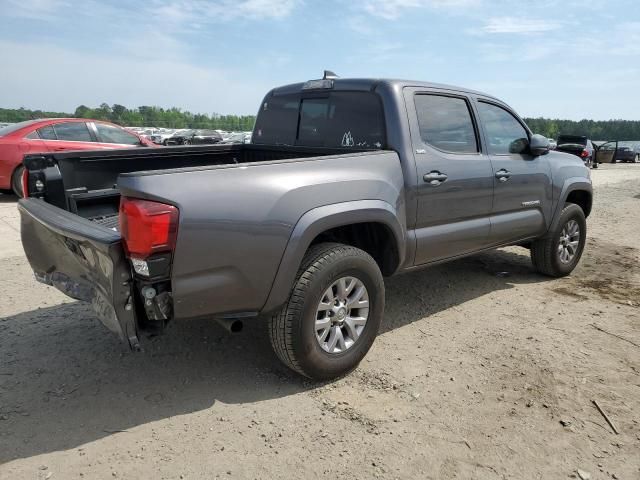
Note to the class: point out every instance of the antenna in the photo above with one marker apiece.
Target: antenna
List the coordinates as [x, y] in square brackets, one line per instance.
[329, 75]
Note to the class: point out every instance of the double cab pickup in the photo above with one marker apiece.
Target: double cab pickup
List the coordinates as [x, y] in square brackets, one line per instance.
[346, 181]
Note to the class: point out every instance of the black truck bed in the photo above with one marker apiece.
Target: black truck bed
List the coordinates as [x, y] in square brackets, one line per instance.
[85, 182]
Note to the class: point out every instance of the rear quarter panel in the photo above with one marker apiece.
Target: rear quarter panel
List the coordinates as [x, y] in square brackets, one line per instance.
[236, 221]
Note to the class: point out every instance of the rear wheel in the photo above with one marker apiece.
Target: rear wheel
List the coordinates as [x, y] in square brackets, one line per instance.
[333, 314]
[559, 254]
[16, 181]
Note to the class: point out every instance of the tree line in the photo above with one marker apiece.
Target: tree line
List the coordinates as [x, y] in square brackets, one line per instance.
[144, 116]
[150, 116]
[595, 130]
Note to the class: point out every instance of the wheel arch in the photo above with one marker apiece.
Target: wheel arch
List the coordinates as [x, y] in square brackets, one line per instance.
[16, 176]
[582, 198]
[371, 225]
[576, 191]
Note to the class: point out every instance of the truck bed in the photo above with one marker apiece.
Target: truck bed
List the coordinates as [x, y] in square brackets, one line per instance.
[85, 182]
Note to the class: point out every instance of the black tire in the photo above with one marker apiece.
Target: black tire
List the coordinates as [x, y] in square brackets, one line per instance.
[16, 182]
[292, 330]
[544, 252]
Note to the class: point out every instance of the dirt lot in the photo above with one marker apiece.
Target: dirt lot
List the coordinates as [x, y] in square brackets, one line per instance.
[483, 369]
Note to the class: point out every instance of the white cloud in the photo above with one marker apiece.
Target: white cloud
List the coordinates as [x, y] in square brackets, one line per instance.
[34, 9]
[92, 79]
[519, 25]
[169, 11]
[182, 11]
[393, 9]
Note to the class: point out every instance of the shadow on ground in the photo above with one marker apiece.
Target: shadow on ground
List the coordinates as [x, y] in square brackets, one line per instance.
[8, 198]
[65, 381]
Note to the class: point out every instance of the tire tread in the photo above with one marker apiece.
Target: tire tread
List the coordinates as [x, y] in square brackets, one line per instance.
[281, 323]
[542, 251]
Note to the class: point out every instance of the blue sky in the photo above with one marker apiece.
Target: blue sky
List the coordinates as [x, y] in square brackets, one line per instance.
[567, 59]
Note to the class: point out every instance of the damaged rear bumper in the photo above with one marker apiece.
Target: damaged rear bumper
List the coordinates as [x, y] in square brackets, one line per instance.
[82, 259]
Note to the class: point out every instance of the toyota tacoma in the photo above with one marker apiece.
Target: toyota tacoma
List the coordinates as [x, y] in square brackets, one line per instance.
[346, 181]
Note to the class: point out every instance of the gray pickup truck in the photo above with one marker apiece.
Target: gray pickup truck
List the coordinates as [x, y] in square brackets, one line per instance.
[346, 181]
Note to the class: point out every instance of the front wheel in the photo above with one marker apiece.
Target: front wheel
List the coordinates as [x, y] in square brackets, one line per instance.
[333, 314]
[16, 182]
[559, 253]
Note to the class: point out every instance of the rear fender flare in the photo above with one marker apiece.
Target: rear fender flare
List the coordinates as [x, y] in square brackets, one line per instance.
[324, 218]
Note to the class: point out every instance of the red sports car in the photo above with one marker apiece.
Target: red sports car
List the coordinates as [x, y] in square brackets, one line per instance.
[55, 135]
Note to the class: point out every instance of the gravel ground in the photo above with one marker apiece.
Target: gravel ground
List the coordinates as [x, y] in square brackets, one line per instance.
[483, 369]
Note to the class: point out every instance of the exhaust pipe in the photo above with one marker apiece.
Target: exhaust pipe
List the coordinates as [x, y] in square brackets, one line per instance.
[231, 325]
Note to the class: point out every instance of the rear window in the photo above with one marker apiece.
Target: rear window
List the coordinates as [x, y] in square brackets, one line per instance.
[15, 126]
[572, 140]
[113, 134]
[335, 119]
[445, 123]
[47, 133]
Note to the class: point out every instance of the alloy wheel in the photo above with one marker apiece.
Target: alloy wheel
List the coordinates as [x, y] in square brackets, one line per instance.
[342, 315]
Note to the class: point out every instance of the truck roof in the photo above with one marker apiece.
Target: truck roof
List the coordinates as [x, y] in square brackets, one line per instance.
[368, 84]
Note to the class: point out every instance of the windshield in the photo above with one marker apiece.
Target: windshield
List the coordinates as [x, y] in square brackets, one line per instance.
[16, 126]
[572, 140]
[324, 119]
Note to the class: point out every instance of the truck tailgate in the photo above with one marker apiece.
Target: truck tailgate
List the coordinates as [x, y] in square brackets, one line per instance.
[82, 259]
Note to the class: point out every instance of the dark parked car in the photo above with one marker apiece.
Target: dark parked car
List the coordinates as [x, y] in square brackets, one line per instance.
[346, 181]
[194, 137]
[578, 145]
[625, 155]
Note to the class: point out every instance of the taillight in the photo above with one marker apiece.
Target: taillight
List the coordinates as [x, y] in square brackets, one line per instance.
[584, 154]
[25, 183]
[147, 227]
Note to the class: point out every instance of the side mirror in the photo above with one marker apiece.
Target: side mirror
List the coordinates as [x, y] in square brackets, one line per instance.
[539, 145]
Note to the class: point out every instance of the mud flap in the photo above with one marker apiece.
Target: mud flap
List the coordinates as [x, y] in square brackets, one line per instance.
[83, 260]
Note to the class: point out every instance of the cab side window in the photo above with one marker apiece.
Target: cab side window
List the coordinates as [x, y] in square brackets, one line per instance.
[73, 131]
[505, 134]
[47, 133]
[446, 123]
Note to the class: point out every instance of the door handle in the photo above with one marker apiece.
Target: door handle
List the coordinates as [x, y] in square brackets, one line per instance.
[503, 175]
[435, 178]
